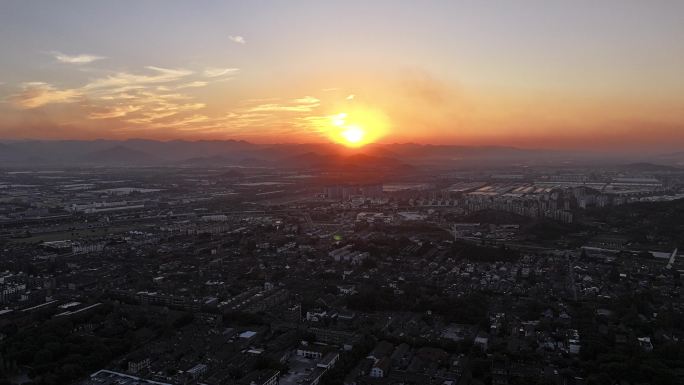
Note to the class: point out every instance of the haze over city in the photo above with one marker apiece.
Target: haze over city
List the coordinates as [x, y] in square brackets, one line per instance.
[543, 74]
[377, 192]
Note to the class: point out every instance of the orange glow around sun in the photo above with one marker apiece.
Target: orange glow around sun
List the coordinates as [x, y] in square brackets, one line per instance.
[358, 127]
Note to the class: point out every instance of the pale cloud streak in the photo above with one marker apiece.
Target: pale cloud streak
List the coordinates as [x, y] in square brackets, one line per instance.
[218, 72]
[305, 104]
[123, 80]
[187, 122]
[195, 84]
[76, 59]
[114, 112]
[36, 94]
[237, 39]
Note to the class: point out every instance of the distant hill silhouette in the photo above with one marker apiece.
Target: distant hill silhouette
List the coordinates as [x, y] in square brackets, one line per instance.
[650, 167]
[210, 153]
[676, 158]
[121, 155]
[7, 152]
[208, 161]
[336, 162]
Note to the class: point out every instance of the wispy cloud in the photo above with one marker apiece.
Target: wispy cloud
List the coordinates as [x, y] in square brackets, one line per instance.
[160, 106]
[187, 121]
[76, 59]
[274, 115]
[237, 39]
[126, 79]
[195, 84]
[113, 112]
[217, 72]
[151, 97]
[36, 94]
[305, 104]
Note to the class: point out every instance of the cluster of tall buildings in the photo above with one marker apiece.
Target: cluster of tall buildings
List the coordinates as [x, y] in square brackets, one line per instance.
[344, 192]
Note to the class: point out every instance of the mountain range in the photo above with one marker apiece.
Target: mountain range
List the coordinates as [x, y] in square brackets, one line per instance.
[322, 156]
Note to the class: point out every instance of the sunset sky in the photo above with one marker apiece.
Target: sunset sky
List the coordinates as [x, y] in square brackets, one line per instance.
[554, 74]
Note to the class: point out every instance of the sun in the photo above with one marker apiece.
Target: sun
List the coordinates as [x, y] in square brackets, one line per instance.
[357, 128]
[353, 134]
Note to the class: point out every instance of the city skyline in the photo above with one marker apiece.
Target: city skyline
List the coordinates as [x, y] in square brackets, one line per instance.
[534, 75]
